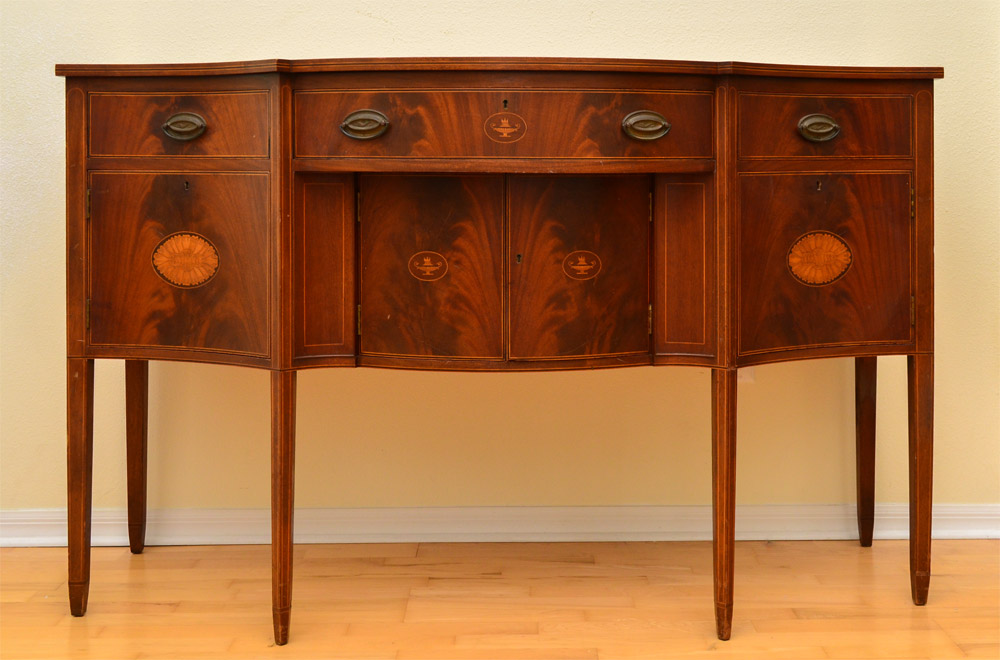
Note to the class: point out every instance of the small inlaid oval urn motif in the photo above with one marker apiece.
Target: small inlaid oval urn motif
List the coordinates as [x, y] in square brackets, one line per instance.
[428, 266]
[505, 127]
[581, 265]
[819, 258]
[186, 260]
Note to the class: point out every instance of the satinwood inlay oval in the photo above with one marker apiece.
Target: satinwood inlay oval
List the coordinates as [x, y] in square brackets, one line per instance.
[505, 127]
[186, 260]
[819, 258]
[581, 265]
[428, 266]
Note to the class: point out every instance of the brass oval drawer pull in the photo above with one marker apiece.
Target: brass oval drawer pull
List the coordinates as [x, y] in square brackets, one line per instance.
[645, 125]
[365, 124]
[818, 128]
[184, 126]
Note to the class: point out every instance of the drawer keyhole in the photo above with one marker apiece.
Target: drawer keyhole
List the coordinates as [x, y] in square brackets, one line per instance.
[518, 258]
[505, 104]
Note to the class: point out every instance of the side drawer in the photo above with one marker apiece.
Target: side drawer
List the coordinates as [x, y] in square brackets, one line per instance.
[824, 126]
[230, 124]
[501, 124]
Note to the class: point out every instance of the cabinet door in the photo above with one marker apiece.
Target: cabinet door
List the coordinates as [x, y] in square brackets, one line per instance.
[579, 266]
[431, 266]
[824, 260]
[179, 261]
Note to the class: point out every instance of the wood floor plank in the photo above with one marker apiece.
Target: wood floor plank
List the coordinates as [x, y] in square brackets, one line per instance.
[507, 601]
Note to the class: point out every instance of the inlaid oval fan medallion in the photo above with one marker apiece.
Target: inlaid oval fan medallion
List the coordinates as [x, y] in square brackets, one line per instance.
[185, 260]
[819, 258]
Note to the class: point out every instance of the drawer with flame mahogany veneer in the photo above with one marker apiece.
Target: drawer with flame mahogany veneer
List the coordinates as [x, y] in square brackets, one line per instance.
[231, 124]
[773, 125]
[503, 124]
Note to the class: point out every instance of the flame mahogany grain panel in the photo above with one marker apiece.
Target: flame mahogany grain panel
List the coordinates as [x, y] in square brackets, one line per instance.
[870, 303]
[130, 124]
[133, 306]
[870, 126]
[453, 124]
[553, 315]
[324, 271]
[460, 218]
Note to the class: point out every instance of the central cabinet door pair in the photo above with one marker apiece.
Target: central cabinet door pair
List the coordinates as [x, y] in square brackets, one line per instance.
[503, 267]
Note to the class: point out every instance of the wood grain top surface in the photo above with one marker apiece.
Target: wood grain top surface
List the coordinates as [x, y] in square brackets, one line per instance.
[497, 64]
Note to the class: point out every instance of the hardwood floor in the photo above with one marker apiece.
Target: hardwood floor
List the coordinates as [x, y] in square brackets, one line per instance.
[504, 601]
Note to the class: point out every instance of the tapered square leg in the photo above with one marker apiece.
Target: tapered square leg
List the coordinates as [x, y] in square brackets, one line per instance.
[136, 402]
[282, 498]
[723, 494]
[920, 379]
[865, 377]
[79, 469]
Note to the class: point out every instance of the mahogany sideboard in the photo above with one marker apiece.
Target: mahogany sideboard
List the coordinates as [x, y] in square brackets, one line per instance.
[497, 214]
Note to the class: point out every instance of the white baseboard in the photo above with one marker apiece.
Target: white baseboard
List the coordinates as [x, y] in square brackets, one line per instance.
[47, 527]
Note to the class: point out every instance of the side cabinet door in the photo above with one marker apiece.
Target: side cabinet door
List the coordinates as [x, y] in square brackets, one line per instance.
[179, 261]
[579, 266]
[324, 265]
[824, 260]
[431, 266]
[685, 282]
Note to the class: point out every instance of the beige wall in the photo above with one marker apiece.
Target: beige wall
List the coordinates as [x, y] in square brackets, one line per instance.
[382, 438]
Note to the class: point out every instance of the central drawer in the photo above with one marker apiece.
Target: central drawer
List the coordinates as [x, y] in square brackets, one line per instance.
[500, 124]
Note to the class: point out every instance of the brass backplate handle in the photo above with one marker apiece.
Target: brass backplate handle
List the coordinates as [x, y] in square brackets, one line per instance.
[818, 128]
[645, 125]
[184, 126]
[364, 124]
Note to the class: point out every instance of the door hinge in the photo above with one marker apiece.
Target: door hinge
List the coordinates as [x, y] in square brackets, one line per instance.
[650, 207]
[357, 206]
[913, 311]
[359, 320]
[86, 322]
[913, 203]
[649, 320]
[87, 211]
